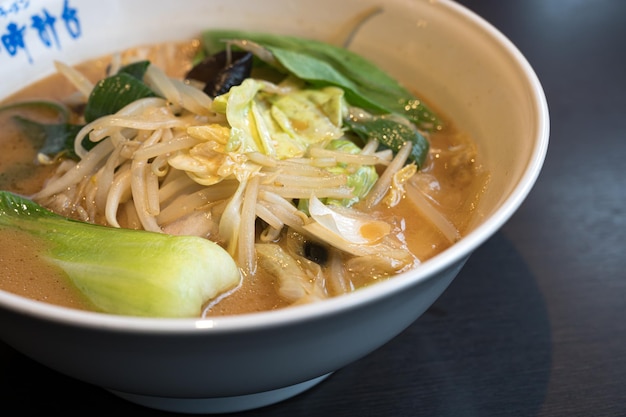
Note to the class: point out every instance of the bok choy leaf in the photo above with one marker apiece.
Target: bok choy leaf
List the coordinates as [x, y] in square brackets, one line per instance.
[124, 271]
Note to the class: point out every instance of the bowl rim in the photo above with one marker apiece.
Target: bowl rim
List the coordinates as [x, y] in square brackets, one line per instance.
[297, 314]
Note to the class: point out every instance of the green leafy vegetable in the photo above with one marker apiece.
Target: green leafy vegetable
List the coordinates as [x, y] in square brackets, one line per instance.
[109, 96]
[392, 134]
[360, 180]
[123, 271]
[136, 69]
[113, 93]
[366, 85]
[280, 125]
[58, 138]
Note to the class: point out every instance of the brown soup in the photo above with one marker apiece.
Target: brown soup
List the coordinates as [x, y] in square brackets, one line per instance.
[452, 162]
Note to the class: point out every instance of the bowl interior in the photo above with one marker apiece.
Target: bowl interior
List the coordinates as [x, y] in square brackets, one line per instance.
[456, 60]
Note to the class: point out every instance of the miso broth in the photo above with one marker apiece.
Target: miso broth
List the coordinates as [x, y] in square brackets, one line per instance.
[452, 162]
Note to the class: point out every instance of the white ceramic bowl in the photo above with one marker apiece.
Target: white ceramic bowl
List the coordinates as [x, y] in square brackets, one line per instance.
[224, 364]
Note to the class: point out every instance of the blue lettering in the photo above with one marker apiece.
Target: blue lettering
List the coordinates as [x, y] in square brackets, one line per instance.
[15, 7]
[71, 20]
[13, 40]
[45, 28]
[44, 23]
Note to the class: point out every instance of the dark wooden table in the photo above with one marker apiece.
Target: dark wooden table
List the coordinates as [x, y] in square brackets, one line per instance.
[535, 324]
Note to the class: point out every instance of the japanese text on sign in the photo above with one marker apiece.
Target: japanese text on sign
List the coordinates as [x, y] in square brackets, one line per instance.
[44, 23]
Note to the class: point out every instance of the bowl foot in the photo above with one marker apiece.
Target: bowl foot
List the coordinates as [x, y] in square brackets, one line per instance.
[220, 404]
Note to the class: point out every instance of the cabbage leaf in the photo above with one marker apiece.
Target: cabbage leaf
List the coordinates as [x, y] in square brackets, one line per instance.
[322, 64]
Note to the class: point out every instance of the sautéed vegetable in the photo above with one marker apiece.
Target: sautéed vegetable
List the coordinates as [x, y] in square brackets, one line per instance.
[316, 172]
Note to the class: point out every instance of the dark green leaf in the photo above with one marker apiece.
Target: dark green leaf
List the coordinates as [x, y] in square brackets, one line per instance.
[391, 134]
[56, 138]
[113, 93]
[136, 69]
